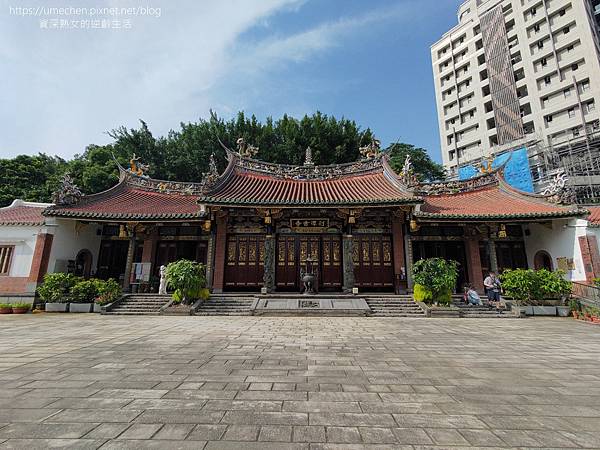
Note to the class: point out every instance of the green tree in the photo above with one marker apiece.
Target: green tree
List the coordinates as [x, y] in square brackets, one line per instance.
[424, 167]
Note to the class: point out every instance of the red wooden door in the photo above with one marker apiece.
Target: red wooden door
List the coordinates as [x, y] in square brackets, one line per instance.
[373, 264]
[287, 271]
[331, 262]
[245, 261]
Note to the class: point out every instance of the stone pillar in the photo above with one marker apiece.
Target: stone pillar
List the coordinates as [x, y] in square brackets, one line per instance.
[474, 263]
[41, 258]
[210, 259]
[409, 263]
[220, 254]
[493, 256]
[129, 263]
[269, 263]
[348, 262]
[398, 251]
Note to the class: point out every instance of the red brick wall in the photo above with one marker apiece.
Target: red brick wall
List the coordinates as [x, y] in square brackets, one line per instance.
[41, 257]
[13, 285]
[219, 263]
[589, 254]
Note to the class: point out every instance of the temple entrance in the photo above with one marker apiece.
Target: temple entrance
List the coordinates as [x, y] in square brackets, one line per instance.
[511, 255]
[112, 259]
[292, 251]
[373, 264]
[454, 250]
[170, 251]
[244, 268]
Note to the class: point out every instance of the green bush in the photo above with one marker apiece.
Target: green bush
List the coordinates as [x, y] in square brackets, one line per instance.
[56, 287]
[85, 291]
[5, 305]
[187, 278]
[108, 291]
[527, 286]
[435, 279]
[21, 305]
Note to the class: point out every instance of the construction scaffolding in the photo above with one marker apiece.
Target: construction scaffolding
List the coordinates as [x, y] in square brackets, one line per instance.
[578, 159]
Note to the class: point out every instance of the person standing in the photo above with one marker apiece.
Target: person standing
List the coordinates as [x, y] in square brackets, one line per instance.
[492, 287]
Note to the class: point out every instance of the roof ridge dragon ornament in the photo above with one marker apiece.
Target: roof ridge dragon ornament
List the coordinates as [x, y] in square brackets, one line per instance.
[244, 149]
[371, 150]
[407, 174]
[558, 191]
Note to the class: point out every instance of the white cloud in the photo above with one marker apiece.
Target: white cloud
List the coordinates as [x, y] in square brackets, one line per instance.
[64, 88]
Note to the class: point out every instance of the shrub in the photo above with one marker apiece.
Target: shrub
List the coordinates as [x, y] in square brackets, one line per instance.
[21, 305]
[85, 291]
[108, 291]
[187, 278]
[533, 286]
[56, 287]
[435, 279]
[5, 305]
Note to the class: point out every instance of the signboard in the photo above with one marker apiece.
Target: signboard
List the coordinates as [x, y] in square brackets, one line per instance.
[140, 272]
[309, 225]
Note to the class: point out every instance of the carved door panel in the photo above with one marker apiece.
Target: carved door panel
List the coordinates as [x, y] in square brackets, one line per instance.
[244, 266]
[310, 247]
[331, 262]
[373, 263]
[287, 271]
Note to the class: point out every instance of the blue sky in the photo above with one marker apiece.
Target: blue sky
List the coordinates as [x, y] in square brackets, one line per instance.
[365, 60]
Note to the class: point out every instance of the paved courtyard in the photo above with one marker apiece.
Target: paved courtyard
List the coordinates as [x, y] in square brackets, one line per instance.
[89, 381]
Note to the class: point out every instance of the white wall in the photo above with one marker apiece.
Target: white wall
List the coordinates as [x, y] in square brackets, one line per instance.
[70, 239]
[23, 238]
[559, 240]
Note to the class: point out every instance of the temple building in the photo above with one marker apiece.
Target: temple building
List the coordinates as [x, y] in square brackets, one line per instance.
[256, 224]
[259, 226]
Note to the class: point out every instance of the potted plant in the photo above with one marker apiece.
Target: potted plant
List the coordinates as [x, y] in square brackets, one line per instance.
[188, 279]
[575, 307]
[83, 294]
[435, 279]
[533, 289]
[20, 308]
[595, 313]
[55, 291]
[5, 308]
[108, 292]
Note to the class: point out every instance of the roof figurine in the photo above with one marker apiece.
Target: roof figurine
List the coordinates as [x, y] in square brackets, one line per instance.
[246, 150]
[68, 193]
[407, 174]
[370, 150]
[136, 167]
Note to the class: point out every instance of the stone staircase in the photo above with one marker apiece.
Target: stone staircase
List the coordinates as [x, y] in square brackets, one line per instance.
[140, 304]
[393, 306]
[226, 305]
[480, 311]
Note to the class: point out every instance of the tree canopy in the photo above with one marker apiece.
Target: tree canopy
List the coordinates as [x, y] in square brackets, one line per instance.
[183, 155]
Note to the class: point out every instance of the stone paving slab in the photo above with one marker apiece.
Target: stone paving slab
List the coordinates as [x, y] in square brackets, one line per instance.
[93, 381]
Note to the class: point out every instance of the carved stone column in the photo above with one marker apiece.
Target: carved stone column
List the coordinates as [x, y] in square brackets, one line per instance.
[210, 259]
[220, 250]
[474, 262]
[409, 262]
[348, 262]
[129, 263]
[269, 275]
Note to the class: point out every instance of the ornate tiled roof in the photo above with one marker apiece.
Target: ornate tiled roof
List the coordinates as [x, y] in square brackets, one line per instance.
[23, 213]
[136, 198]
[246, 182]
[487, 197]
[594, 216]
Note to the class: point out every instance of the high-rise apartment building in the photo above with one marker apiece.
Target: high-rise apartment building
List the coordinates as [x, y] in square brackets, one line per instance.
[517, 73]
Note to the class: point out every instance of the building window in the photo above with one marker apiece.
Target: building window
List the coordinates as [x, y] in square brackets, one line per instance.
[574, 67]
[6, 253]
[536, 28]
[571, 112]
[566, 30]
[547, 80]
[591, 106]
[544, 62]
[549, 118]
[575, 131]
[569, 49]
[585, 86]
[567, 93]
[533, 12]
[540, 44]
[561, 12]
